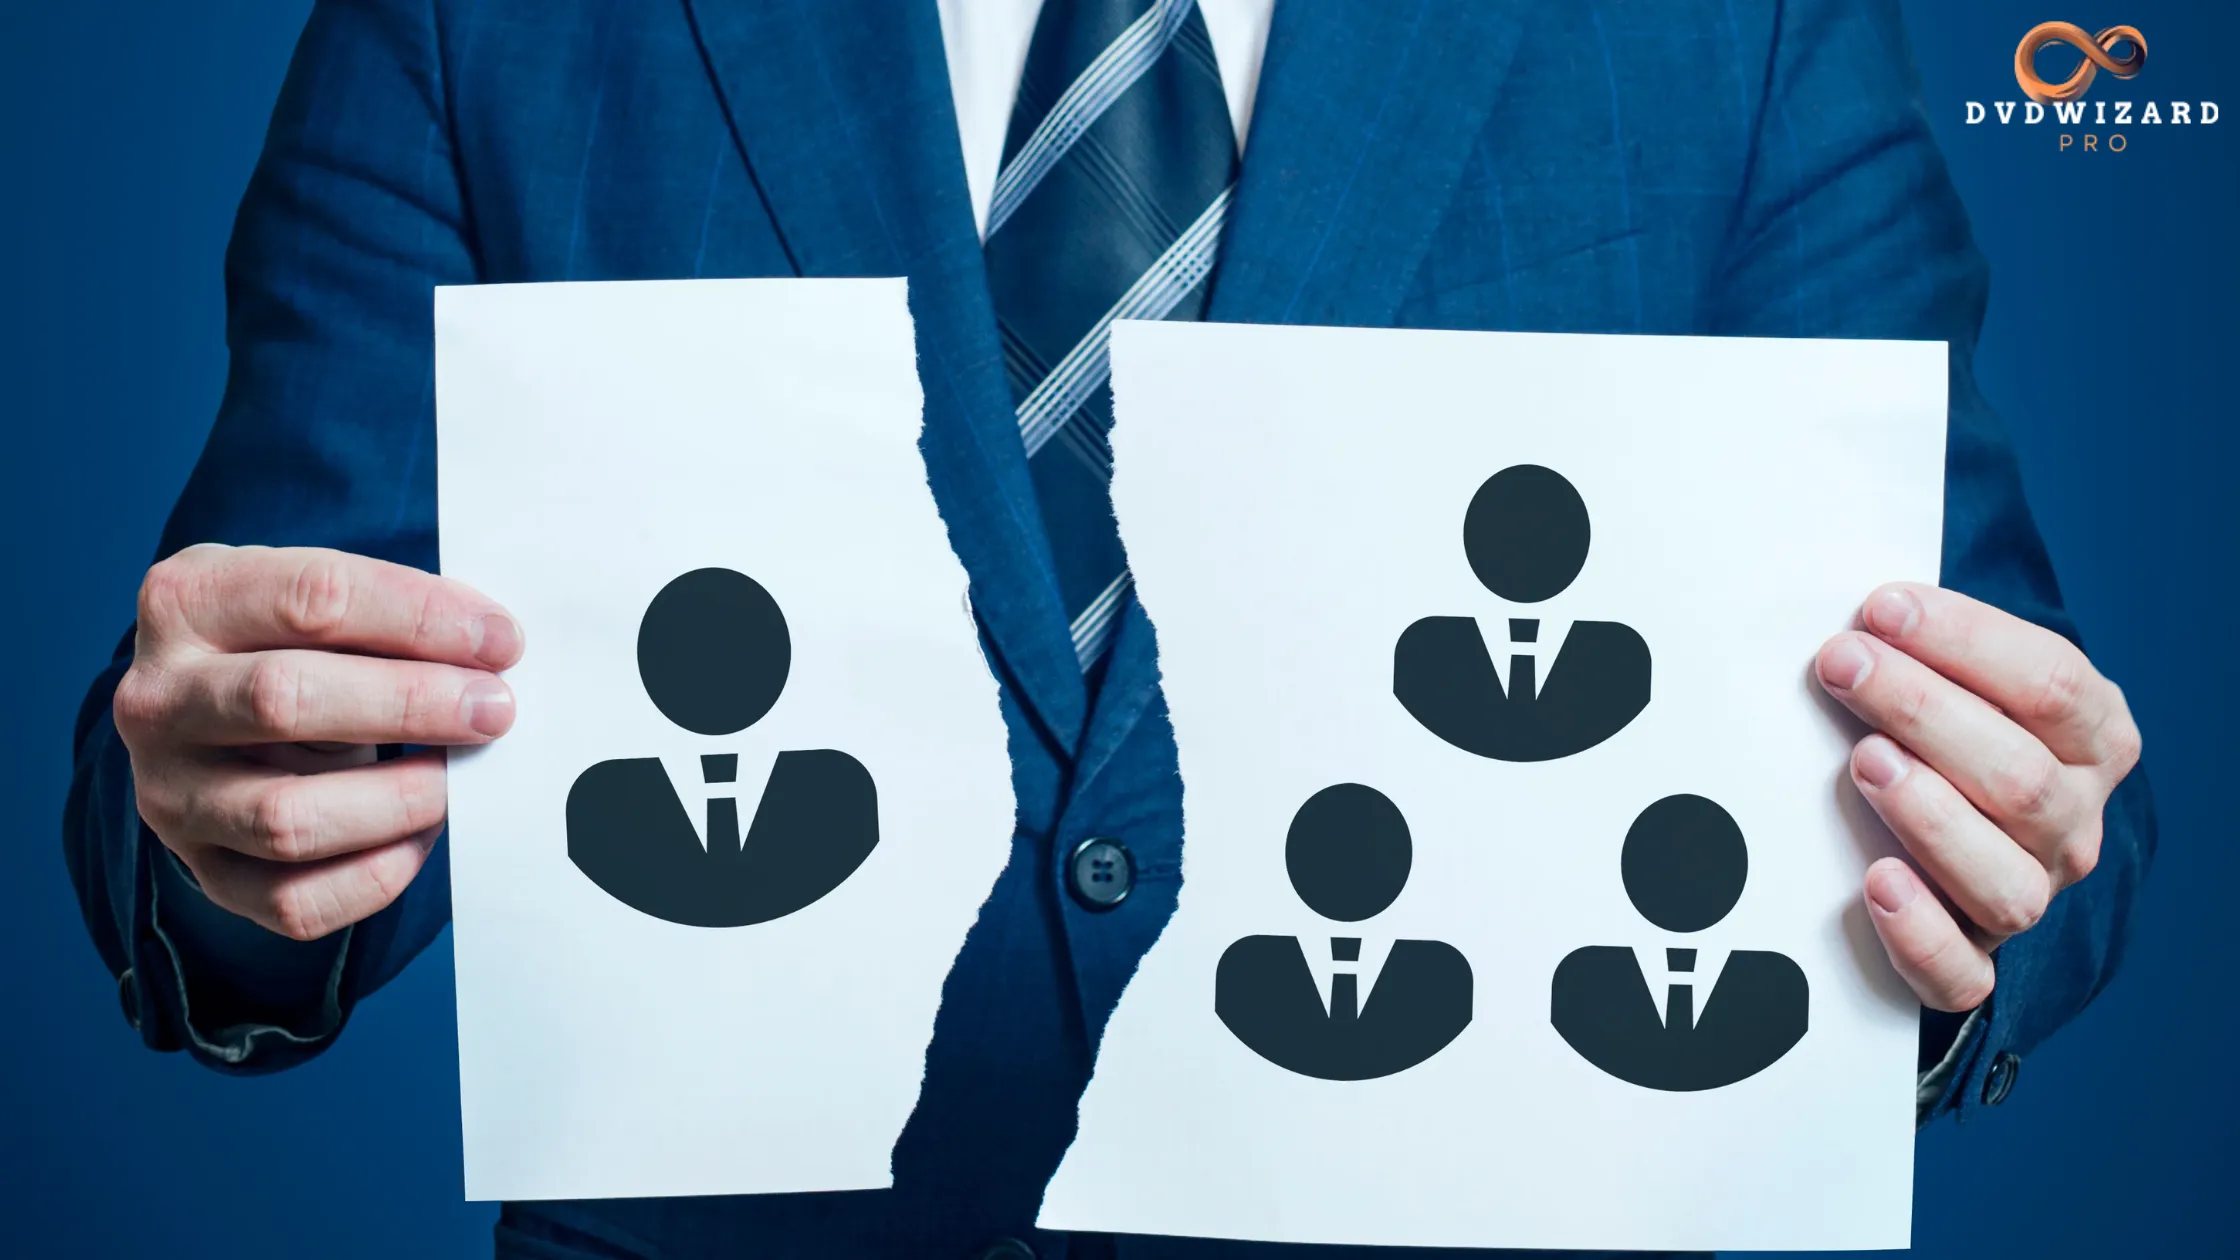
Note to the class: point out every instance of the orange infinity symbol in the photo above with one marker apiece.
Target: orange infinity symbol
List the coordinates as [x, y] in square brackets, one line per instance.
[2096, 58]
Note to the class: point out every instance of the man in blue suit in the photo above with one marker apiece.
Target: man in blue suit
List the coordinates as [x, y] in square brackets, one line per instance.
[249, 831]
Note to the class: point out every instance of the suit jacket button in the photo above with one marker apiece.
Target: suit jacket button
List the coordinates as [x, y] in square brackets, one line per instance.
[1007, 1249]
[1100, 873]
[1999, 1081]
[128, 997]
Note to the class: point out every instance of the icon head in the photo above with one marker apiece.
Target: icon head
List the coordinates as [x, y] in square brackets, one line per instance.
[1526, 533]
[1348, 852]
[1685, 863]
[713, 651]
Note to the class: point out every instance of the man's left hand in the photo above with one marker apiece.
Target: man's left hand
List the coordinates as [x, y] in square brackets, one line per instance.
[1997, 746]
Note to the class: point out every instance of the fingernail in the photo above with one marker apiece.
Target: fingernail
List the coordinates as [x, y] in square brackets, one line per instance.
[487, 707]
[497, 640]
[1891, 887]
[1845, 664]
[1879, 763]
[1892, 613]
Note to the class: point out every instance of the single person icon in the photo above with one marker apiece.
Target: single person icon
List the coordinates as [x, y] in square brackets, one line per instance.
[1684, 866]
[714, 653]
[1348, 854]
[1526, 536]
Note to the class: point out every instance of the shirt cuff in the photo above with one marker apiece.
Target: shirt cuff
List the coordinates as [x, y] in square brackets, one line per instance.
[244, 997]
[1929, 1089]
[201, 978]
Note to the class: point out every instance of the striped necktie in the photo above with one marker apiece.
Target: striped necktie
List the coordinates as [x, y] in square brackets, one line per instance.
[1116, 176]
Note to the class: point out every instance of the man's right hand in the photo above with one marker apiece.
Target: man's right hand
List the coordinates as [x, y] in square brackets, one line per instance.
[261, 684]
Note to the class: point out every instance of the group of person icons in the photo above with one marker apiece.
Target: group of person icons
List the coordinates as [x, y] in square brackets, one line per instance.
[1684, 861]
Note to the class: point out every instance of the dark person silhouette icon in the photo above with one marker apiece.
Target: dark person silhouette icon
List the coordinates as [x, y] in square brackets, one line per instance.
[1348, 854]
[713, 653]
[1684, 866]
[1526, 537]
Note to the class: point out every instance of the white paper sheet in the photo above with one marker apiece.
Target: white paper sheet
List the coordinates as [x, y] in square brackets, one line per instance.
[597, 442]
[1294, 501]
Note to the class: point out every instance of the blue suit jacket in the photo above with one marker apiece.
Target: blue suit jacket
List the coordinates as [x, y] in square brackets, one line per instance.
[1747, 167]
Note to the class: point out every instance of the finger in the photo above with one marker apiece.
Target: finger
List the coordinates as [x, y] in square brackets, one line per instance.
[308, 900]
[283, 817]
[1945, 969]
[311, 758]
[294, 696]
[2041, 680]
[2004, 770]
[2001, 888]
[250, 599]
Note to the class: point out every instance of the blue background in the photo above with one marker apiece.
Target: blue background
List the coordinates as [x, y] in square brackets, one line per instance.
[130, 127]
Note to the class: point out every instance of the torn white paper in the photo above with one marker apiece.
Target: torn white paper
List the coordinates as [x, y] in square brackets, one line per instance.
[1521, 899]
[706, 891]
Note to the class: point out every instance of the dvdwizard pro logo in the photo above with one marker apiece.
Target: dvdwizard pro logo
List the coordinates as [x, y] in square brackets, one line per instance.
[2118, 51]
[2099, 54]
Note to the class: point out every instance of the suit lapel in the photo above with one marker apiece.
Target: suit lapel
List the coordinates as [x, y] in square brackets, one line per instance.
[1365, 119]
[1365, 115]
[844, 116]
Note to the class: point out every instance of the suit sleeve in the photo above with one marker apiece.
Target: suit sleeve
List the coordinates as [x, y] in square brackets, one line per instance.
[325, 438]
[1850, 227]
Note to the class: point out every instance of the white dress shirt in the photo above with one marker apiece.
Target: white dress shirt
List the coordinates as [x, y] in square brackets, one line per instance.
[986, 44]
